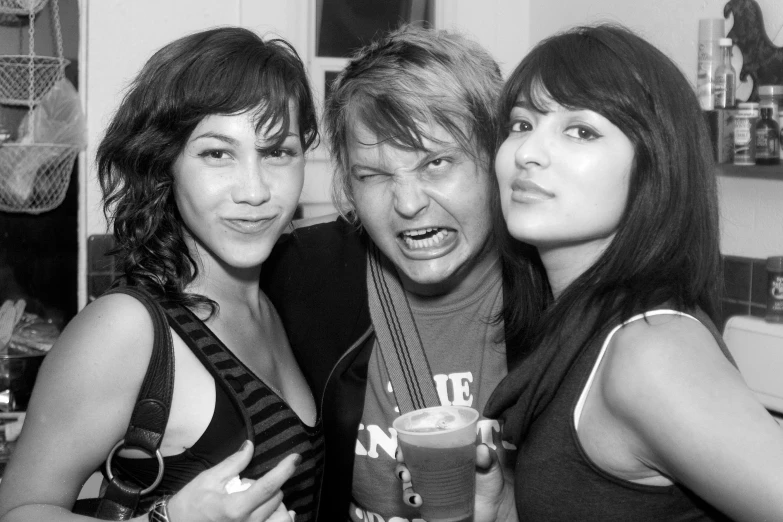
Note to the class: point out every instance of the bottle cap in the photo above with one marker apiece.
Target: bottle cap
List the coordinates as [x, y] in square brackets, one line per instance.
[725, 42]
[775, 264]
[770, 90]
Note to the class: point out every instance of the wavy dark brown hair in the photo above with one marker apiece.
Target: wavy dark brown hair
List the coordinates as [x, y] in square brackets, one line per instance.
[227, 70]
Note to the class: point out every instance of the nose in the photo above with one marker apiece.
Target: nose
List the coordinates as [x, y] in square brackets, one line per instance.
[252, 185]
[410, 196]
[533, 151]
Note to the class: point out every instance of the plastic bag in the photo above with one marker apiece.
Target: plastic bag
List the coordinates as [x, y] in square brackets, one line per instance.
[57, 118]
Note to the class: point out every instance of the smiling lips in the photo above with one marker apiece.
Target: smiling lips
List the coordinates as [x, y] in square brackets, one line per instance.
[425, 237]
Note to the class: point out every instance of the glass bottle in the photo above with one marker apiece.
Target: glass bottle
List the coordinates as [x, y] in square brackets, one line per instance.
[767, 136]
[725, 77]
[710, 32]
[744, 138]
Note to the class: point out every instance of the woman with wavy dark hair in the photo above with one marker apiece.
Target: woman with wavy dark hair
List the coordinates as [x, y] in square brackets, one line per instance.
[627, 405]
[201, 169]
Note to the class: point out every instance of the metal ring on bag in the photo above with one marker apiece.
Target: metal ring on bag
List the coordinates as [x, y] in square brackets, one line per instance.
[143, 492]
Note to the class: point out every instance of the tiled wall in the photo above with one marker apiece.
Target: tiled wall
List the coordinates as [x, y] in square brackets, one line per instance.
[745, 286]
[744, 294]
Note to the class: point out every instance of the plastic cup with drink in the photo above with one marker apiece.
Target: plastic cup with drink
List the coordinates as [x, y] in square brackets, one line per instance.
[439, 446]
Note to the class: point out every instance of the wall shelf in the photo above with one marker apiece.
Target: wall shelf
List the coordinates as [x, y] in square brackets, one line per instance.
[751, 171]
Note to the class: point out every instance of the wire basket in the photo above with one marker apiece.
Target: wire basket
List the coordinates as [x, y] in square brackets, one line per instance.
[34, 177]
[15, 74]
[21, 7]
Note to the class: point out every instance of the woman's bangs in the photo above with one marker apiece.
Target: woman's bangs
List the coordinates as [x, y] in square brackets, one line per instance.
[578, 73]
[271, 102]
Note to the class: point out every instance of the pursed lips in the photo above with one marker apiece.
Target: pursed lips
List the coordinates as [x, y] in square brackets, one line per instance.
[249, 224]
[529, 190]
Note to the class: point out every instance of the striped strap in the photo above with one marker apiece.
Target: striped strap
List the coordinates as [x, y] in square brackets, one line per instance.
[398, 337]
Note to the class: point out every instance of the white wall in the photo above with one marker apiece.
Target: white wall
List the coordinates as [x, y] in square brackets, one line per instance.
[751, 209]
[119, 35]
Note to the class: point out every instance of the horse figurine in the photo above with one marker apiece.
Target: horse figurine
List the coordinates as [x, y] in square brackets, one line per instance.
[761, 59]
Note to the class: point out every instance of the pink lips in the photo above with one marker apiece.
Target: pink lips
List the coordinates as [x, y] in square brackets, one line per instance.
[527, 190]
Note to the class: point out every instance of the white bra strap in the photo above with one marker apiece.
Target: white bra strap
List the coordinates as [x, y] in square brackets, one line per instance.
[583, 397]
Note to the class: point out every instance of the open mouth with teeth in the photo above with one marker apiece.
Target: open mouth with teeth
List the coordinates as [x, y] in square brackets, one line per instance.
[425, 237]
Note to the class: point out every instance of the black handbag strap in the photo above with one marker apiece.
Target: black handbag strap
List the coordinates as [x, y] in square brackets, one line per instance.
[148, 420]
[151, 413]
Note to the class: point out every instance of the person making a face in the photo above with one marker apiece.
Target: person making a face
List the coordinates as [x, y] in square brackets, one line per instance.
[412, 131]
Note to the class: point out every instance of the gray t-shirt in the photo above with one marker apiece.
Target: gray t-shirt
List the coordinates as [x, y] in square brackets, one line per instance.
[467, 354]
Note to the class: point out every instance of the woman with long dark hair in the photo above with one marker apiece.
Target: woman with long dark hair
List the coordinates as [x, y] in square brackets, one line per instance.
[627, 405]
[201, 170]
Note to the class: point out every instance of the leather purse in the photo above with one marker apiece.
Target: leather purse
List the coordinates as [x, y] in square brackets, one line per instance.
[120, 499]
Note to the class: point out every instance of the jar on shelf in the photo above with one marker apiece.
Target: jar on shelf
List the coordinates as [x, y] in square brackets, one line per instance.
[744, 140]
[774, 313]
[773, 94]
[767, 136]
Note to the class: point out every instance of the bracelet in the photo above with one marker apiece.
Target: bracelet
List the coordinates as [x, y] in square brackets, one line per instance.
[160, 511]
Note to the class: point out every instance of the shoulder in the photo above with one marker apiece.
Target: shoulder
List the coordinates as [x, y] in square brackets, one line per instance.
[118, 313]
[308, 222]
[315, 253]
[658, 352]
[112, 331]
[108, 346]
[314, 235]
[665, 370]
[322, 231]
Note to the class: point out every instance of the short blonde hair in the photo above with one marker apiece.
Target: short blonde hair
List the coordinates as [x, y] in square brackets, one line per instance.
[406, 79]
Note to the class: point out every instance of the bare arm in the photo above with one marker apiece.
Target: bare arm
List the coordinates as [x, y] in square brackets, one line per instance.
[81, 406]
[694, 418]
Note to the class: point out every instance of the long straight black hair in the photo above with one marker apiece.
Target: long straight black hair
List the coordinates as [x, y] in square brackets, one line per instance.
[666, 249]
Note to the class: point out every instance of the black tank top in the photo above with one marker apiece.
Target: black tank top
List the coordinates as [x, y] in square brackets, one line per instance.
[556, 481]
[245, 408]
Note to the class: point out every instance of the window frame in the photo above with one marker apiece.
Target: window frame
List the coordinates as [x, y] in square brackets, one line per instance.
[319, 66]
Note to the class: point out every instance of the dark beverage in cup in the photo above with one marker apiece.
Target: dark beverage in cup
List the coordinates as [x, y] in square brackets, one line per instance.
[439, 446]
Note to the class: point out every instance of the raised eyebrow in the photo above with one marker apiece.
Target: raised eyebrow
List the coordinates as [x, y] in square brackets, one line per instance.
[216, 135]
[263, 144]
